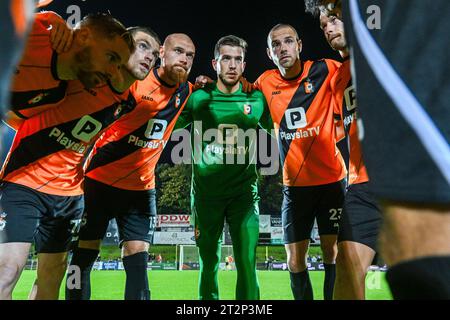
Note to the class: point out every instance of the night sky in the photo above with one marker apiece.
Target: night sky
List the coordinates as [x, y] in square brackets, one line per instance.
[206, 21]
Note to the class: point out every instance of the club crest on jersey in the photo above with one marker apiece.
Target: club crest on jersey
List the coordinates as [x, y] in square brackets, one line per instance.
[309, 86]
[177, 101]
[38, 98]
[247, 109]
[2, 221]
[118, 111]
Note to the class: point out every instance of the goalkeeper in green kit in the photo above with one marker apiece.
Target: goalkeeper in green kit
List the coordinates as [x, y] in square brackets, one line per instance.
[224, 178]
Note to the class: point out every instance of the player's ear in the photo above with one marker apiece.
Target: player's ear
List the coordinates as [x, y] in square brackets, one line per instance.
[243, 66]
[300, 45]
[269, 54]
[161, 55]
[214, 64]
[82, 36]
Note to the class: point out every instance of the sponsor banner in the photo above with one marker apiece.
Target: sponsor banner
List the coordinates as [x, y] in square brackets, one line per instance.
[279, 266]
[110, 265]
[173, 220]
[191, 266]
[276, 234]
[169, 266]
[264, 223]
[97, 265]
[173, 238]
[277, 241]
[264, 239]
[275, 221]
[314, 266]
[177, 229]
[112, 234]
[161, 266]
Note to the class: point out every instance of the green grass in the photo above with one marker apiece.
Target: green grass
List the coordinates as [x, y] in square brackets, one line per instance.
[182, 285]
[169, 252]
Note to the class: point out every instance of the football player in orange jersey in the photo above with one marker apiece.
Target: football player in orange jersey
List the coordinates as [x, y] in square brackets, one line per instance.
[361, 217]
[393, 44]
[96, 102]
[299, 98]
[100, 45]
[120, 179]
[103, 45]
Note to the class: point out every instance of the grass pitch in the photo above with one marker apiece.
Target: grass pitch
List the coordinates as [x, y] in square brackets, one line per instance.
[182, 285]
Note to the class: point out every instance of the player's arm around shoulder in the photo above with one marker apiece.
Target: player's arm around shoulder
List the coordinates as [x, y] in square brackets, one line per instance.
[333, 66]
[186, 118]
[265, 121]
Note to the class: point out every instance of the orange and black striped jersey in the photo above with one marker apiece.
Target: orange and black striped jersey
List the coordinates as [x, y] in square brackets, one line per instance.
[125, 157]
[35, 84]
[49, 148]
[344, 99]
[303, 118]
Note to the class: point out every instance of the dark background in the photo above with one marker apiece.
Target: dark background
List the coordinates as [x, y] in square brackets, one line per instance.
[206, 21]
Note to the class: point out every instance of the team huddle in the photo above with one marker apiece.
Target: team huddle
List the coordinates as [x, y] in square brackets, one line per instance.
[93, 111]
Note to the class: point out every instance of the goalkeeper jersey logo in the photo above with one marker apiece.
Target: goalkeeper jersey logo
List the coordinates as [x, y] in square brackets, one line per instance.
[247, 109]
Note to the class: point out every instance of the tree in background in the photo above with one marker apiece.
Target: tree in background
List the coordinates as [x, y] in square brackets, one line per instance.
[173, 185]
[270, 191]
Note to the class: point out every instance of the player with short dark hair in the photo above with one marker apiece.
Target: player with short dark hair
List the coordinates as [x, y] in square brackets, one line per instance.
[299, 98]
[401, 56]
[361, 217]
[232, 41]
[224, 177]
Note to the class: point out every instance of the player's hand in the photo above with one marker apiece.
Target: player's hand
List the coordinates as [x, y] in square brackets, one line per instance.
[247, 86]
[201, 81]
[61, 35]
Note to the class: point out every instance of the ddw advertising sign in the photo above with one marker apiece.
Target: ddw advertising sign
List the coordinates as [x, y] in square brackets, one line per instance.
[173, 220]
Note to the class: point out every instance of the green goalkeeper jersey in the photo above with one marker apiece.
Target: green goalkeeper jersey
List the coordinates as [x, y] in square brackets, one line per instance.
[224, 140]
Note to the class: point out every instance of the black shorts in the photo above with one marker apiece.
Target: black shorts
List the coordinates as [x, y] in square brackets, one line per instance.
[413, 39]
[301, 205]
[361, 217]
[134, 211]
[50, 222]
